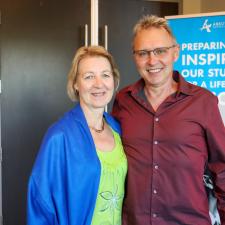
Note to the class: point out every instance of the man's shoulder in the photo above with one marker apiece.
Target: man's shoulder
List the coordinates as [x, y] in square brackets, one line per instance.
[124, 91]
[202, 94]
[129, 88]
[200, 91]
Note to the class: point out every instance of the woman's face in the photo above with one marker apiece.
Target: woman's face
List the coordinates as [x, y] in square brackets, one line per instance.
[95, 82]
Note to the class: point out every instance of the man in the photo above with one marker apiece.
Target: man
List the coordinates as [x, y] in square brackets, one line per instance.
[172, 131]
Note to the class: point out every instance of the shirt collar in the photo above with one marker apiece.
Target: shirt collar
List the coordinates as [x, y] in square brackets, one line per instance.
[184, 87]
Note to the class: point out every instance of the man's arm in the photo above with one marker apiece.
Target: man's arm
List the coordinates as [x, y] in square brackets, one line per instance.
[215, 134]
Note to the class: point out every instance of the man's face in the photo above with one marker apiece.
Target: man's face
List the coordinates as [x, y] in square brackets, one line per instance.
[156, 68]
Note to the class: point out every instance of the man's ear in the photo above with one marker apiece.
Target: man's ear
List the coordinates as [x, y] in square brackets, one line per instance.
[176, 52]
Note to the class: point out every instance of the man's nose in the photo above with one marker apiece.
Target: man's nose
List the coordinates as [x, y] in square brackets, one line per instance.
[152, 59]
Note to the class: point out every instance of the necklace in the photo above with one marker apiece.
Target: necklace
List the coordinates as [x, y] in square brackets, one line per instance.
[98, 130]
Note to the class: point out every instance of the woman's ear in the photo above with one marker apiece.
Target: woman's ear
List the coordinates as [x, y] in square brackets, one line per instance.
[75, 86]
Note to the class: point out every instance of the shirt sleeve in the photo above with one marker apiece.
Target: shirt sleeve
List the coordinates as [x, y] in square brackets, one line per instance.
[215, 133]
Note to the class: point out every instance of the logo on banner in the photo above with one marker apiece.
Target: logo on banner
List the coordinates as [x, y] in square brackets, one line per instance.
[206, 26]
[215, 25]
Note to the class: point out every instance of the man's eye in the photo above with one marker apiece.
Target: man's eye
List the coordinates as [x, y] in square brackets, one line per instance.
[160, 51]
[142, 53]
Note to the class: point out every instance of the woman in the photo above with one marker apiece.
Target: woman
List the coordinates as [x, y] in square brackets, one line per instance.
[78, 177]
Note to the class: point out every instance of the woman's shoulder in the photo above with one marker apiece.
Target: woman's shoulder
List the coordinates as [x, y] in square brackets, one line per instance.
[71, 119]
[65, 128]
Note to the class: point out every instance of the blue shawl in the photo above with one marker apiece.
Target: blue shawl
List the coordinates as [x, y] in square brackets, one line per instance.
[64, 181]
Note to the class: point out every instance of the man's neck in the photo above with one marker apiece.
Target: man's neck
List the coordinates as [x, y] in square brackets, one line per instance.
[156, 95]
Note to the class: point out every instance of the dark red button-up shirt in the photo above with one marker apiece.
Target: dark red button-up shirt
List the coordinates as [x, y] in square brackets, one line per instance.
[168, 151]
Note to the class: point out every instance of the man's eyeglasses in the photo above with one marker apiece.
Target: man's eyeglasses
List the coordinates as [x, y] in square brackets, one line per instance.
[158, 52]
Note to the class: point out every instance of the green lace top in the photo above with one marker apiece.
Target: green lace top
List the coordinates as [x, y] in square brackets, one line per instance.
[109, 200]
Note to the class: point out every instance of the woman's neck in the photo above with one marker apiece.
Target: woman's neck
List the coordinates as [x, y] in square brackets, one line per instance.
[94, 117]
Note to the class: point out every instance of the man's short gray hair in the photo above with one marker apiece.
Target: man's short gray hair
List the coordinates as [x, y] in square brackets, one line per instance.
[149, 21]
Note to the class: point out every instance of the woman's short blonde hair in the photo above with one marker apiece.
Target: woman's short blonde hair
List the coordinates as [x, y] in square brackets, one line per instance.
[81, 53]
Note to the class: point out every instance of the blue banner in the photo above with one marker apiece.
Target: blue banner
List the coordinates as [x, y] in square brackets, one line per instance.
[202, 51]
[202, 62]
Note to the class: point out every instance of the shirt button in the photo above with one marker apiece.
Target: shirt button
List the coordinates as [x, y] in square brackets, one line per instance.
[156, 167]
[154, 191]
[156, 119]
[155, 142]
[154, 215]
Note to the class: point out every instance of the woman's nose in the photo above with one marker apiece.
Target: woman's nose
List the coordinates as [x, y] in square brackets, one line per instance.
[98, 81]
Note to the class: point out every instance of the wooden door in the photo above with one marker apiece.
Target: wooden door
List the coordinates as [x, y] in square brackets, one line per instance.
[38, 42]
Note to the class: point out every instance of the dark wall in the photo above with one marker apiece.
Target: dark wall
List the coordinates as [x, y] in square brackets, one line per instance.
[38, 41]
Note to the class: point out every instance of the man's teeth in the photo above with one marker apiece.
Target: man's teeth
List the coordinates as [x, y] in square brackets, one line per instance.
[153, 70]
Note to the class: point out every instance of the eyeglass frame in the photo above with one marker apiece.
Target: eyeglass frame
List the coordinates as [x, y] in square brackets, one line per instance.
[135, 52]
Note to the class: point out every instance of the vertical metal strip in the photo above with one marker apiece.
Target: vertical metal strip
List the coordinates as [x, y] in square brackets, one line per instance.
[94, 22]
[106, 37]
[106, 47]
[86, 35]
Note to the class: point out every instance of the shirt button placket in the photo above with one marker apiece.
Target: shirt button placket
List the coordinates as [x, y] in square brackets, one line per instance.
[156, 120]
[155, 167]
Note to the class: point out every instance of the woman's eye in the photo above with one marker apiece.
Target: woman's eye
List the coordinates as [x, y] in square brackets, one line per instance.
[106, 75]
[88, 76]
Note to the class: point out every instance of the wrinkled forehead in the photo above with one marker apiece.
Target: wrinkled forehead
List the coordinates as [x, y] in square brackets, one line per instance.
[94, 63]
[153, 38]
